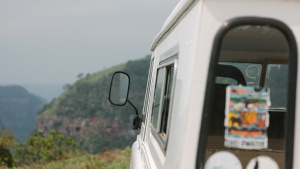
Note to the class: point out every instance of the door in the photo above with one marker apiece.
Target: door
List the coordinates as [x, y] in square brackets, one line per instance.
[248, 117]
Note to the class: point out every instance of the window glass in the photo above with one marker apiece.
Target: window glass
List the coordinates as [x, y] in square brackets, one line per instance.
[157, 97]
[167, 97]
[277, 80]
[161, 105]
[250, 71]
[252, 56]
[226, 80]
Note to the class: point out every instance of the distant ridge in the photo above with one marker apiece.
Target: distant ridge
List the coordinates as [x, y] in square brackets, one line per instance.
[18, 109]
[46, 91]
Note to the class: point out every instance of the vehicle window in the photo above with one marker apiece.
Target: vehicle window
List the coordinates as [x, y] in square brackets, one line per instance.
[250, 71]
[157, 97]
[255, 57]
[226, 80]
[161, 104]
[277, 80]
[167, 97]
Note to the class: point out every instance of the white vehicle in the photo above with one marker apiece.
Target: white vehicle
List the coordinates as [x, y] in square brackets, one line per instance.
[203, 47]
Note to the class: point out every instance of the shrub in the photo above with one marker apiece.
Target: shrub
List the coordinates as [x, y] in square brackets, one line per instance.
[42, 149]
[7, 141]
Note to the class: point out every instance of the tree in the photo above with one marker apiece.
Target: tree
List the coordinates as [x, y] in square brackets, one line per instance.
[7, 141]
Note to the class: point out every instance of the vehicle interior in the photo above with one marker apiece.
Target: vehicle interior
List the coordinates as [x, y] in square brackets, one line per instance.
[254, 56]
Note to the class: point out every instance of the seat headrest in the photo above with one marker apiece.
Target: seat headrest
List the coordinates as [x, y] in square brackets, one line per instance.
[231, 72]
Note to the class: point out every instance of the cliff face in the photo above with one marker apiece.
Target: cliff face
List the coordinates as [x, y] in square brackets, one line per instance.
[84, 112]
[18, 110]
[82, 127]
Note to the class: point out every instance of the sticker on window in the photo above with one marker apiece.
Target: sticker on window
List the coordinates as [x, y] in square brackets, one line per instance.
[262, 162]
[246, 117]
[223, 160]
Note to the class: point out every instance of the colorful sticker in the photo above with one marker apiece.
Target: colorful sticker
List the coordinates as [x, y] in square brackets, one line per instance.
[223, 160]
[262, 162]
[246, 117]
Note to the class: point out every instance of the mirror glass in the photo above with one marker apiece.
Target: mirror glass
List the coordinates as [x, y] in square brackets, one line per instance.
[119, 89]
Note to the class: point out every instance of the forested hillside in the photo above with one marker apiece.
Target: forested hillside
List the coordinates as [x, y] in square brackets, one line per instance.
[84, 112]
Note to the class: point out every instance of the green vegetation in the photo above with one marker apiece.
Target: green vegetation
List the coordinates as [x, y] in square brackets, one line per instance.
[79, 122]
[56, 151]
[42, 149]
[7, 142]
[113, 159]
[84, 112]
[71, 103]
[89, 95]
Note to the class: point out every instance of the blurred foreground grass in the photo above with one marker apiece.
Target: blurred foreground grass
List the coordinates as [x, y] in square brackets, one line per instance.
[111, 159]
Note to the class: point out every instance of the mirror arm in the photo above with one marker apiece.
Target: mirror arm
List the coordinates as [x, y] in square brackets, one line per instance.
[137, 121]
[136, 111]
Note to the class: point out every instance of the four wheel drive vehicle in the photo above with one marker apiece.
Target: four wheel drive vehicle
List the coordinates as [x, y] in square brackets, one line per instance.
[222, 88]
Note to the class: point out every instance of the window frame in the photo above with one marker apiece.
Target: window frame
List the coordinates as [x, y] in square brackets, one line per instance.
[292, 84]
[162, 138]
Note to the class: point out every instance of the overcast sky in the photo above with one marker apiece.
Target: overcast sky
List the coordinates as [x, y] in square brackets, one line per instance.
[52, 41]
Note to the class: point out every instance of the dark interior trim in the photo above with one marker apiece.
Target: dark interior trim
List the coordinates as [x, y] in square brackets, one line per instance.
[209, 93]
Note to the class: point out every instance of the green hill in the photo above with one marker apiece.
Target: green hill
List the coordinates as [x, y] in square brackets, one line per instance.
[84, 112]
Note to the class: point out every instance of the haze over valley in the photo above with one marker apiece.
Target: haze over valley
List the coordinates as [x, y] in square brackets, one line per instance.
[57, 58]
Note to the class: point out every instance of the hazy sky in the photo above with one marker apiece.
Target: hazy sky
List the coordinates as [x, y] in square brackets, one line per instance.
[52, 41]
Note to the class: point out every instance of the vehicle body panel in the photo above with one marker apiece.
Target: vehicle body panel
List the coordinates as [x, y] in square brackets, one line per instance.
[190, 33]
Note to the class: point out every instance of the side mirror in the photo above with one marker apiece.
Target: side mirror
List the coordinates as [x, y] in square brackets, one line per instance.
[119, 87]
[118, 95]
